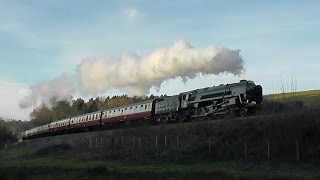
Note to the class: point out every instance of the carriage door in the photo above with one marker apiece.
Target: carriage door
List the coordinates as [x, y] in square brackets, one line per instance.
[184, 101]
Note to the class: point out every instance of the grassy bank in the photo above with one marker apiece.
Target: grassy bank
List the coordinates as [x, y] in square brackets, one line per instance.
[309, 98]
[63, 168]
[266, 146]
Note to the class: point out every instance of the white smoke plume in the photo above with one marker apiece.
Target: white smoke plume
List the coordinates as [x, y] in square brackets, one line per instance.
[60, 88]
[137, 74]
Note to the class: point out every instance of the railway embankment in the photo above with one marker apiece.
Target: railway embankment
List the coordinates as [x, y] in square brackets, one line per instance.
[255, 146]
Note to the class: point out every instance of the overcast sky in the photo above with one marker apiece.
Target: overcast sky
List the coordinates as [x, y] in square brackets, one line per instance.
[40, 40]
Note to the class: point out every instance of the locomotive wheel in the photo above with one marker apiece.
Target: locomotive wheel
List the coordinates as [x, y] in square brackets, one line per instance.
[228, 113]
[243, 112]
[210, 117]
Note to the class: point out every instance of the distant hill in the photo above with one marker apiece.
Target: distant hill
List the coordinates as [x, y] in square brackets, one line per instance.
[310, 98]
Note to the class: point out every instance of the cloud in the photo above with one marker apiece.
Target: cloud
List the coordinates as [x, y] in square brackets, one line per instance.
[133, 14]
[10, 95]
[61, 88]
[136, 74]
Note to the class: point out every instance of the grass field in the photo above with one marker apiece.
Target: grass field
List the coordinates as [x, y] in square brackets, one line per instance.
[81, 168]
[58, 158]
[310, 98]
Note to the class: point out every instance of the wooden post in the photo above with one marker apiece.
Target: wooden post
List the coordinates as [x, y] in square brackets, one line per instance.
[177, 141]
[116, 141]
[121, 140]
[268, 144]
[209, 144]
[96, 142]
[245, 148]
[134, 142]
[156, 141]
[101, 141]
[139, 142]
[297, 151]
[90, 143]
[165, 140]
[112, 143]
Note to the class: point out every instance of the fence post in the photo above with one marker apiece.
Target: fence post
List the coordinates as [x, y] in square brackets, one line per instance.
[268, 144]
[90, 143]
[165, 140]
[96, 142]
[116, 141]
[101, 141]
[139, 142]
[209, 144]
[156, 141]
[177, 141]
[245, 149]
[134, 142]
[297, 150]
[121, 140]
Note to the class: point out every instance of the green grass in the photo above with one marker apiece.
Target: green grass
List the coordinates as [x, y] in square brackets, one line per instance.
[255, 170]
[310, 98]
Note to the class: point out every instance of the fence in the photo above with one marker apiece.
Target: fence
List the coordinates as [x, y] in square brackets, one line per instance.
[208, 147]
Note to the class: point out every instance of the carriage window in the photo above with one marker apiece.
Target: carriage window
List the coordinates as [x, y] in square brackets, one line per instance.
[145, 107]
[125, 108]
[136, 106]
[184, 97]
[130, 107]
[141, 105]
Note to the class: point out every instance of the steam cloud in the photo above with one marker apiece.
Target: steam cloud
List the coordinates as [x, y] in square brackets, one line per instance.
[137, 74]
[60, 88]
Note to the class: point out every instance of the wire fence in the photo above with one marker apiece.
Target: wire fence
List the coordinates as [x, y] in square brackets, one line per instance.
[245, 149]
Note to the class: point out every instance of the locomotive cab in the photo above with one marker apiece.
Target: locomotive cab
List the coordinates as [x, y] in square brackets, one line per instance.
[184, 100]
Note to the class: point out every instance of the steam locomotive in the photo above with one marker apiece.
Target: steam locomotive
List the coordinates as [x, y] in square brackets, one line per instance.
[236, 99]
